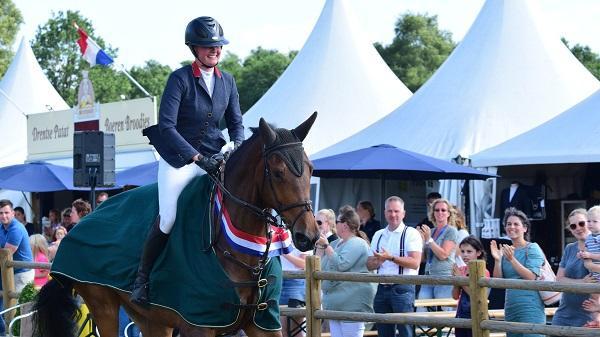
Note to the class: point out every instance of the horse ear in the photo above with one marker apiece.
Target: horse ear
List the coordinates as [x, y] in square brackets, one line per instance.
[302, 130]
[266, 132]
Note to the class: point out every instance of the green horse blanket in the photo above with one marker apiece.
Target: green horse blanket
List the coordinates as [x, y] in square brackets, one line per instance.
[105, 248]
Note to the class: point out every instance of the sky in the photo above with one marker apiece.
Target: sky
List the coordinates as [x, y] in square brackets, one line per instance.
[151, 29]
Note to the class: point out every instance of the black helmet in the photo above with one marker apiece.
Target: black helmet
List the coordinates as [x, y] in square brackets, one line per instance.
[204, 32]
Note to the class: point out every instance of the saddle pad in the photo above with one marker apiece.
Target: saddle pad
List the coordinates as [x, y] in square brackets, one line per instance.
[105, 248]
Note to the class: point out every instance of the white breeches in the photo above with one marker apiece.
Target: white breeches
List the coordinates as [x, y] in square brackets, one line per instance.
[171, 181]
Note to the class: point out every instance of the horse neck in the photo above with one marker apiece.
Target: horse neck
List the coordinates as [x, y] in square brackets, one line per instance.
[240, 180]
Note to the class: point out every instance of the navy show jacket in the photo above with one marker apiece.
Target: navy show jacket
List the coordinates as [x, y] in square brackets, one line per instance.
[188, 121]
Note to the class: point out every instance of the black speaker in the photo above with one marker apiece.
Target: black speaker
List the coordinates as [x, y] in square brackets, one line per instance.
[93, 158]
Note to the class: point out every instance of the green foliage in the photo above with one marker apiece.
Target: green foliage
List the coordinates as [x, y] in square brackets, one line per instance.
[586, 56]
[58, 53]
[10, 19]
[232, 64]
[418, 49]
[27, 295]
[260, 70]
[152, 76]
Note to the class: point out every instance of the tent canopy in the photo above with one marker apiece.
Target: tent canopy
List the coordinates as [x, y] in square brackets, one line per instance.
[508, 75]
[338, 73]
[24, 90]
[571, 137]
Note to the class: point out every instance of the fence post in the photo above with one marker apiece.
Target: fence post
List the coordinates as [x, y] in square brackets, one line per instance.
[479, 298]
[8, 284]
[313, 297]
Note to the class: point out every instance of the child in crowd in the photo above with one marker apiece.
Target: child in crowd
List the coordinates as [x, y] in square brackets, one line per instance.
[591, 256]
[39, 249]
[59, 234]
[470, 249]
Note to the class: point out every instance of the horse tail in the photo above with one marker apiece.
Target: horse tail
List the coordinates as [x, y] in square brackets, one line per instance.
[57, 311]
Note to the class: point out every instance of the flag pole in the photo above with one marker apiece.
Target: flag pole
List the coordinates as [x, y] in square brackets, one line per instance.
[122, 69]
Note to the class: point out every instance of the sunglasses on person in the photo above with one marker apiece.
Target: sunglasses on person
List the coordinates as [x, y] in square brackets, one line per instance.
[440, 210]
[319, 222]
[573, 226]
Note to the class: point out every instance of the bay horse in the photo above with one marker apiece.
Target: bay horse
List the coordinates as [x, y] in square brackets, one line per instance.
[269, 171]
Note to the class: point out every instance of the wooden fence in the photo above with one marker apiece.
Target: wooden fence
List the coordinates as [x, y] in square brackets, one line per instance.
[480, 323]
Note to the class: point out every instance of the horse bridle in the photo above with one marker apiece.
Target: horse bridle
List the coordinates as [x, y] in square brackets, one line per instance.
[266, 214]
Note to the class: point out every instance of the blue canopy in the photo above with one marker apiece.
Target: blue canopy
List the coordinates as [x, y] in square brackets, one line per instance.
[138, 175]
[389, 162]
[36, 177]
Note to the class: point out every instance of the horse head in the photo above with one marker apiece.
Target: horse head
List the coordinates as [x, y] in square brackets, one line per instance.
[281, 177]
[288, 171]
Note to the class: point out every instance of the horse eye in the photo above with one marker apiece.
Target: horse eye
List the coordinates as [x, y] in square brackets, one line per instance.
[278, 174]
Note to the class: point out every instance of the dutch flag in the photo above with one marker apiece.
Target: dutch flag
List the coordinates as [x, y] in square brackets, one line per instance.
[91, 51]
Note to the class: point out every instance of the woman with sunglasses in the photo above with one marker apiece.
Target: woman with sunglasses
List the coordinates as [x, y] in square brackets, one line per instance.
[326, 222]
[440, 245]
[570, 311]
[349, 253]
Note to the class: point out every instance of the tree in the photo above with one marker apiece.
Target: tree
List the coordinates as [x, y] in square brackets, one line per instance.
[10, 19]
[586, 56]
[417, 50]
[260, 70]
[152, 76]
[57, 51]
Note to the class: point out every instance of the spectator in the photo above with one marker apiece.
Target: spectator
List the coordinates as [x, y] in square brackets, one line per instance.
[79, 209]
[59, 234]
[293, 291]
[470, 249]
[67, 223]
[39, 250]
[463, 233]
[22, 218]
[349, 253]
[100, 198]
[326, 221]
[591, 256]
[431, 197]
[392, 256]
[440, 246]
[522, 260]
[571, 269]
[49, 226]
[369, 224]
[13, 237]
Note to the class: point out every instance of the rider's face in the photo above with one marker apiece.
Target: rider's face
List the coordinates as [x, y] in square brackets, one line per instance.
[208, 56]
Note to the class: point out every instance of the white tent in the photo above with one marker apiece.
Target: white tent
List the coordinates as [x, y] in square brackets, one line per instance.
[571, 137]
[507, 76]
[338, 73]
[24, 90]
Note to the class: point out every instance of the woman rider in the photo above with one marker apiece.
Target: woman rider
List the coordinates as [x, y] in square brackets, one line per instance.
[195, 99]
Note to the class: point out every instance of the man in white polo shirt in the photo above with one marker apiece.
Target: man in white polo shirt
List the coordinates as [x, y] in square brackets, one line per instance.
[395, 250]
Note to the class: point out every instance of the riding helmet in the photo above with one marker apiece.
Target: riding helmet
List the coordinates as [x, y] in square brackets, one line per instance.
[204, 32]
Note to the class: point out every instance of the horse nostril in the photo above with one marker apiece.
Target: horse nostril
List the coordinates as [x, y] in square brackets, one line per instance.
[303, 243]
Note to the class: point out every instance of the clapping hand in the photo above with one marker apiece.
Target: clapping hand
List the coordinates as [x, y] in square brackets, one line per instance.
[425, 232]
[495, 251]
[508, 252]
[383, 255]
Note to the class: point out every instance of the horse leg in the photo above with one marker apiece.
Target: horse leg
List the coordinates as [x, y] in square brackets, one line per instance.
[253, 331]
[103, 304]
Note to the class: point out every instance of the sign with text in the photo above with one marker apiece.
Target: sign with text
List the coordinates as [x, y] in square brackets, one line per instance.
[51, 134]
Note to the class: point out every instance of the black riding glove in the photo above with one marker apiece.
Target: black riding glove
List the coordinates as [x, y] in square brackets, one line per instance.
[209, 164]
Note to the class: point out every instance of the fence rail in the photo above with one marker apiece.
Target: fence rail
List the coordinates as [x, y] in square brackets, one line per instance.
[480, 323]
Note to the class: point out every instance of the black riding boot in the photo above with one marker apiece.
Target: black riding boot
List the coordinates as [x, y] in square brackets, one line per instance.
[155, 243]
